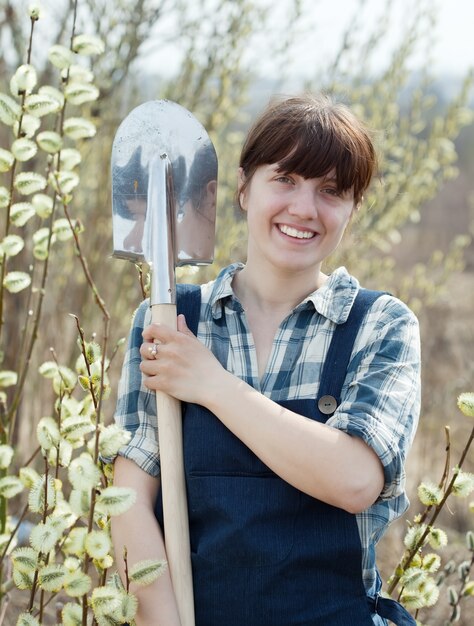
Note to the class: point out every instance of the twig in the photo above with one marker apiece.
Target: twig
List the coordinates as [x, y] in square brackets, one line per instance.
[405, 562]
[14, 532]
[45, 511]
[12, 180]
[447, 464]
[125, 560]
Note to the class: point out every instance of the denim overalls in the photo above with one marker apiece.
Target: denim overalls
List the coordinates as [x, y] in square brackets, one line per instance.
[264, 553]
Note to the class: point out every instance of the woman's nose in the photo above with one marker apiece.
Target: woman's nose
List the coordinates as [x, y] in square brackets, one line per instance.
[304, 204]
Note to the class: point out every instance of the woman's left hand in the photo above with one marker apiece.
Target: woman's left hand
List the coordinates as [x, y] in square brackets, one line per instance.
[177, 363]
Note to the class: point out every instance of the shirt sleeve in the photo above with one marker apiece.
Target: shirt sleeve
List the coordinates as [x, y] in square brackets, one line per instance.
[136, 405]
[380, 399]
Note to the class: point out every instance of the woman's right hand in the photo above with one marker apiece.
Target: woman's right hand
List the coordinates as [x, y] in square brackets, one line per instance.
[174, 362]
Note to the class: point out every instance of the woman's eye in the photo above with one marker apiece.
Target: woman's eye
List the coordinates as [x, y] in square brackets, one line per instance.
[332, 191]
[284, 179]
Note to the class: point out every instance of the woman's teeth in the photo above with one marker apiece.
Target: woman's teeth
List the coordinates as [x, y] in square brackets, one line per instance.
[298, 234]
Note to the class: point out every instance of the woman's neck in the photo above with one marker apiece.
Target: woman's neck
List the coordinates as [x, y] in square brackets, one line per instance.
[272, 291]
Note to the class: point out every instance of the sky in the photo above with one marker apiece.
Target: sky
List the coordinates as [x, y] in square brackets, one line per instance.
[455, 48]
[452, 49]
[325, 20]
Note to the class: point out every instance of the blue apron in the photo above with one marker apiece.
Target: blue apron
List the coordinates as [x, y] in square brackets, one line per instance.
[264, 553]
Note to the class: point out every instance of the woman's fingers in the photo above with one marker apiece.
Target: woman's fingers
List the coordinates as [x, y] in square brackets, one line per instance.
[153, 350]
[149, 350]
[161, 333]
[173, 361]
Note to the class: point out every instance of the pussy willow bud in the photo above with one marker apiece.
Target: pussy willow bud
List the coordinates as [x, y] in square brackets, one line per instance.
[77, 584]
[6, 456]
[455, 615]
[27, 183]
[11, 246]
[429, 494]
[10, 110]
[97, 544]
[71, 613]
[4, 197]
[52, 92]
[437, 538]
[49, 141]
[24, 149]
[43, 205]
[466, 403]
[452, 596]
[470, 540]
[60, 56]
[29, 126]
[6, 160]
[79, 93]
[15, 281]
[463, 570]
[463, 484]
[23, 80]
[79, 128]
[21, 212]
[35, 12]
[88, 45]
[69, 158]
[42, 104]
[468, 589]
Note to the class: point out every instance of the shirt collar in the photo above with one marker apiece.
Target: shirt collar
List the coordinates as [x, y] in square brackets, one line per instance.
[333, 300]
[222, 289]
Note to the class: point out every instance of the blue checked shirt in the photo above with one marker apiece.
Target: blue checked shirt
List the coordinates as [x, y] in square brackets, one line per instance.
[380, 398]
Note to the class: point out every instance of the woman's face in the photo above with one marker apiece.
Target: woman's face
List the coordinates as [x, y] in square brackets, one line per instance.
[293, 223]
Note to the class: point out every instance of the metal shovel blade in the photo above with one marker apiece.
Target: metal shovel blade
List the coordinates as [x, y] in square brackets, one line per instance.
[162, 155]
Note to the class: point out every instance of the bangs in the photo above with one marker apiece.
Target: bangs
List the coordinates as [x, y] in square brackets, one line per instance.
[317, 157]
[313, 140]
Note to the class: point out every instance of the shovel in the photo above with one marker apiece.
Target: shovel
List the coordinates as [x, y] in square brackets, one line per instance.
[164, 179]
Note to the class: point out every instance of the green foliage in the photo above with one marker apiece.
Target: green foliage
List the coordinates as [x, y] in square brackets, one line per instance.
[415, 575]
[70, 542]
[145, 572]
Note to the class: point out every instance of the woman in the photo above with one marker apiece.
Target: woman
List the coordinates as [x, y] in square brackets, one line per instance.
[288, 490]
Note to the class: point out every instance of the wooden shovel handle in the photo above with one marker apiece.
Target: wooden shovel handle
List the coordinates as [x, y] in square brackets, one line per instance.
[173, 487]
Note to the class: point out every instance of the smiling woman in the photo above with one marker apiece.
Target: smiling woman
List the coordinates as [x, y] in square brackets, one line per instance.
[296, 436]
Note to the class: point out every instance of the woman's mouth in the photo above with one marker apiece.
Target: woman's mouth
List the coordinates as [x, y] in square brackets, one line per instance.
[296, 233]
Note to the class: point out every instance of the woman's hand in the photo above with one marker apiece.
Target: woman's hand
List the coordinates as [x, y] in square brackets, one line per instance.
[177, 363]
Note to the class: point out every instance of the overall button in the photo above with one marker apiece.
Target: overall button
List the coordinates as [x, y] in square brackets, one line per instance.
[327, 404]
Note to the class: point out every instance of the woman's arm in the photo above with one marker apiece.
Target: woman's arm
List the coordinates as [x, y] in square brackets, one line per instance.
[324, 462]
[321, 461]
[138, 531]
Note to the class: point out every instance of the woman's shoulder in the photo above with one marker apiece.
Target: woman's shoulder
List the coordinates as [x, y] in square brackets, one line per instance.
[389, 308]
[384, 303]
[335, 300]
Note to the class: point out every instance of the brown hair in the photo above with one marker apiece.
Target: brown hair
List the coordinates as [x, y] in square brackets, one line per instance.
[311, 136]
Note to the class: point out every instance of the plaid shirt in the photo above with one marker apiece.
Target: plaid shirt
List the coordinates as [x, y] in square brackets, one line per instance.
[380, 398]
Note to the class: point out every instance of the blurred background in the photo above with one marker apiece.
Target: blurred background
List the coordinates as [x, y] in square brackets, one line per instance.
[406, 68]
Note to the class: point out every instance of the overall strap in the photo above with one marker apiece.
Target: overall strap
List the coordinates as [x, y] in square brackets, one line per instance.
[391, 610]
[340, 350]
[332, 380]
[188, 302]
